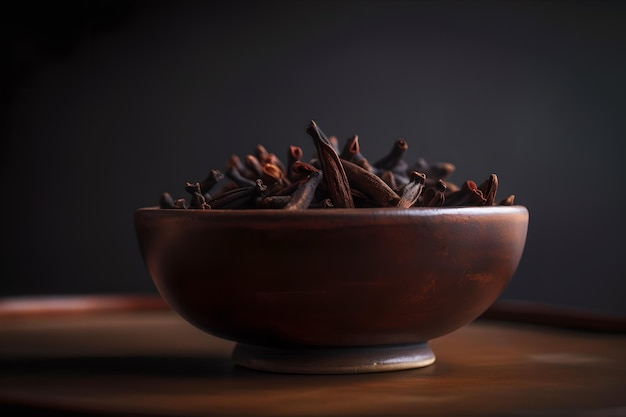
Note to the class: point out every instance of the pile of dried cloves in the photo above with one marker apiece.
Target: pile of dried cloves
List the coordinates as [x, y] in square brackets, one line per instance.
[336, 176]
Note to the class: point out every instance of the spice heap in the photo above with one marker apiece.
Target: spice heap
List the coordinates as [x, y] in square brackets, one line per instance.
[336, 176]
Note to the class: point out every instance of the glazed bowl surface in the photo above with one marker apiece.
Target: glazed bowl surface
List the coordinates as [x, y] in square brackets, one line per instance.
[287, 283]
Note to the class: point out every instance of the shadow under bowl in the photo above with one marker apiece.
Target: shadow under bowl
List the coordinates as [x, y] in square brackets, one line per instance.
[332, 290]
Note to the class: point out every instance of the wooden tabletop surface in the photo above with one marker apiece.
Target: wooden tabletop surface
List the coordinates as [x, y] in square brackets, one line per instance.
[120, 360]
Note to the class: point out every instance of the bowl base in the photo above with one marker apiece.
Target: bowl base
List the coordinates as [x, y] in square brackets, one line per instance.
[344, 360]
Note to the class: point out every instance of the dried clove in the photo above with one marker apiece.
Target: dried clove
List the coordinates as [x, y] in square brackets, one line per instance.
[254, 165]
[180, 203]
[394, 157]
[333, 178]
[273, 174]
[197, 198]
[166, 201]
[351, 148]
[294, 154]
[334, 175]
[363, 162]
[235, 175]
[238, 197]
[210, 181]
[261, 153]
[467, 195]
[275, 160]
[508, 201]
[370, 184]
[235, 162]
[488, 188]
[273, 201]
[434, 171]
[390, 179]
[302, 197]
[411, 191]
[434, 196]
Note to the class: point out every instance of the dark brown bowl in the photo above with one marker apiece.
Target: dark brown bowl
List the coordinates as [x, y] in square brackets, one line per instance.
[332, 290]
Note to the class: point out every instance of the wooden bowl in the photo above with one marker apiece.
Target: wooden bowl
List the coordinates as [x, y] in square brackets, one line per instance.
[332, 290]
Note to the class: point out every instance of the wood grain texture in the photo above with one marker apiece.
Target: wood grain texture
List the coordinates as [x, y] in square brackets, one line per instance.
[153, 363]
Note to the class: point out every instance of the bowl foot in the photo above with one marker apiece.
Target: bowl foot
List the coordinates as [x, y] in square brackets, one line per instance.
[345, 360]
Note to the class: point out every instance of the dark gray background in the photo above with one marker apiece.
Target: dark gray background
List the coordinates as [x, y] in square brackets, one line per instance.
[108, 104]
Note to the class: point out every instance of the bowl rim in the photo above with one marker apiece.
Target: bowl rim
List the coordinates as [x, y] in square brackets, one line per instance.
[473, 211]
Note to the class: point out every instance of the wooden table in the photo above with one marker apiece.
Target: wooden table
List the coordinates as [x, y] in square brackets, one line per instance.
[136, 357]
